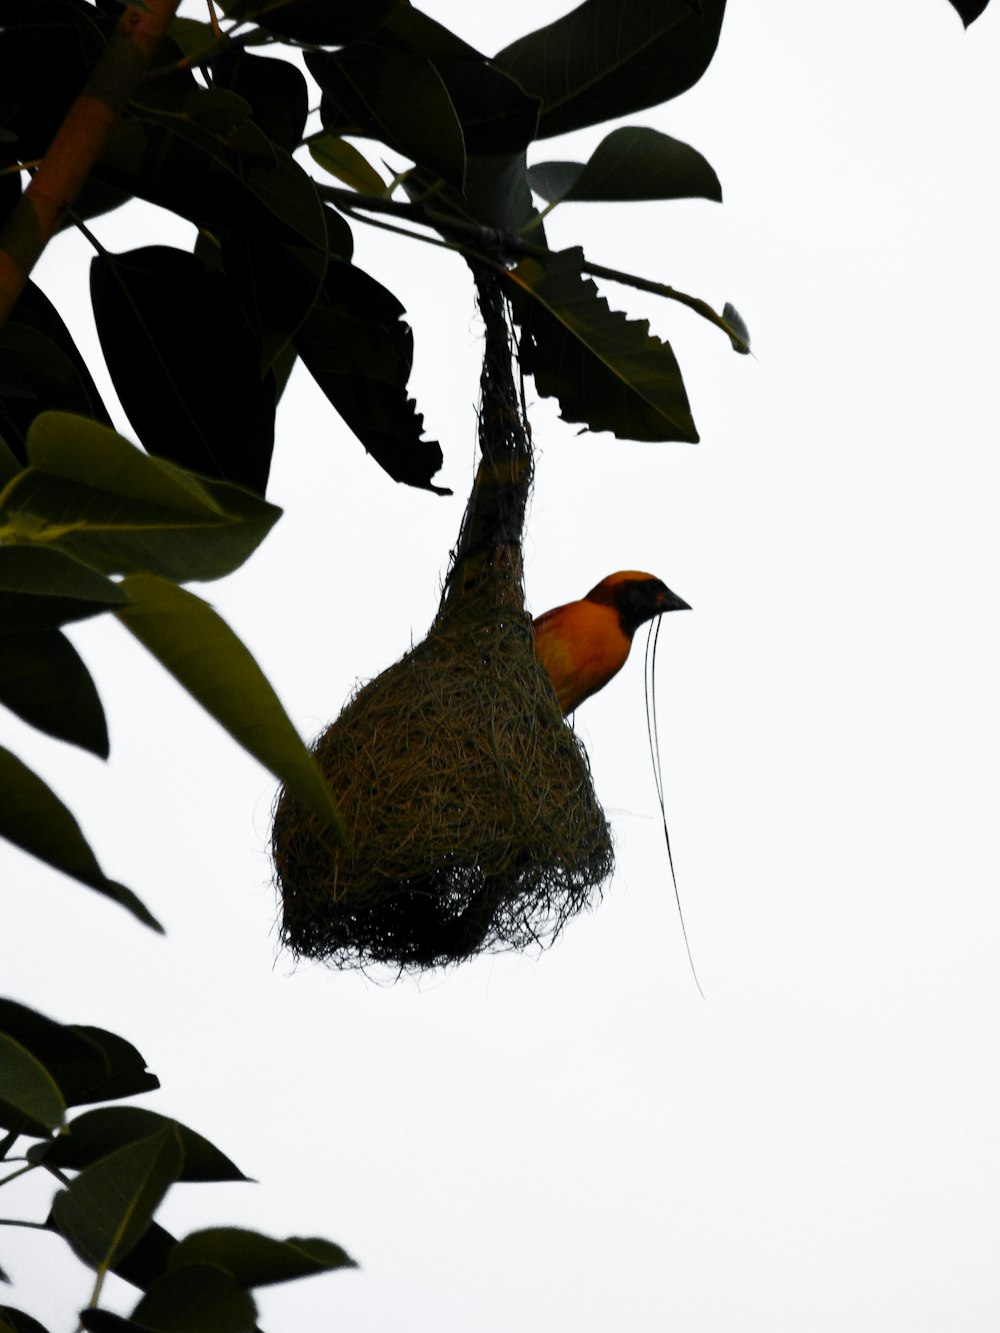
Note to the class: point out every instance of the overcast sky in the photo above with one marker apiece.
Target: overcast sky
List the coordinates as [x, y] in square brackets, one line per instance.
[577, 1141]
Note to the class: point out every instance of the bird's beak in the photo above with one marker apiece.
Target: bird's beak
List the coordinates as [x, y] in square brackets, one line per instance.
[669, 601]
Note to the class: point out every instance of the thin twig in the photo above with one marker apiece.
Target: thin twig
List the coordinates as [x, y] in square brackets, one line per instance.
[21, 1170]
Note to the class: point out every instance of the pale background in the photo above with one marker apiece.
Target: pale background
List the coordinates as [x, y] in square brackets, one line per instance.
[576, 1141]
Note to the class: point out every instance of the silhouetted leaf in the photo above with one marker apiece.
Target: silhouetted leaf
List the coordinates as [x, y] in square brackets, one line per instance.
[342, 160]
[16, 1321]
[608, 372]
[199, 1299]
[96, 496]
[321, 22]
[358, 349]
[125, 1072]
[106, 1321]
[69, 1056]
[96, 1133]
[27, 1088]
[184, 363]
[147, 1260]
[496, 115]
[42, 369]
[397, 97]
[33, 818]
[45, 57]
[109, 1205]
[41, 588]
[740, 337]
[629, 164]
[275, 285]
[969, 10]
[199, 649]
[275, 89]
[87, 1063]
[256, 1260]
[10, 464]
[497, 192]
[237, 179]
[608, 58]
[44, 681]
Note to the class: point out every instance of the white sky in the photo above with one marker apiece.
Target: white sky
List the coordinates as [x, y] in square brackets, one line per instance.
[577, 1141]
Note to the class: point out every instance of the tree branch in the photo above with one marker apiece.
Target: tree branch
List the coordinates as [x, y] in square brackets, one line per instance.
[507, 243]
[78, 144]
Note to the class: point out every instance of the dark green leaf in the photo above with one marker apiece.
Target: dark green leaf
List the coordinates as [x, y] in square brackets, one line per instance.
[608, 58]
[42, 369]
[358, 349]
[740, 337]
[147, 1260]
[125, 1072]
[95, 199]
[969, 10]
[275, 285]
[96, 1133]
[630, 164]
[200, 650]
[256, 1260]
[199, 1299]
[44, 681]
[275, 89]
[47, 56]
[396, 97]
[339, 237]
[342, 159]
[105, 1321]
[496, 195]
[496, 189]
[98, 497]
[320, 22]
[33, 818]
[70, 1057]
[18, 1322]
[109, 1205]
[28, 1087]
[184, 363]
[41, 588]
[496, 115]
[240, 180]
[608, 372]
[10, 464]
[87, 1063]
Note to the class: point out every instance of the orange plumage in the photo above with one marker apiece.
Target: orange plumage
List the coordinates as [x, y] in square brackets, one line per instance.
[583, 644]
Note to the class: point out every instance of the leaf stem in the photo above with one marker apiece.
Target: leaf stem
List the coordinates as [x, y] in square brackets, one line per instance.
[22, 1170]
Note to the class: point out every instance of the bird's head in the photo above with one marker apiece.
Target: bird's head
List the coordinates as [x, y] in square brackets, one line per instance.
[637, 597]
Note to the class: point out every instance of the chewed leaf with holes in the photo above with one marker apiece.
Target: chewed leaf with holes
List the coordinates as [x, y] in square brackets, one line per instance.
[608, 372]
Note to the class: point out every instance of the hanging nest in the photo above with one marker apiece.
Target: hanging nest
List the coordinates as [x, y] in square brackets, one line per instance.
[472, 823]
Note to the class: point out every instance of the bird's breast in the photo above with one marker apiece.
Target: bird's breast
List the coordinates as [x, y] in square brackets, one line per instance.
[581, 645]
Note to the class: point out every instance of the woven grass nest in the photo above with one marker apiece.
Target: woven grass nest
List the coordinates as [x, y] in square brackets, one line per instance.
[472, 823]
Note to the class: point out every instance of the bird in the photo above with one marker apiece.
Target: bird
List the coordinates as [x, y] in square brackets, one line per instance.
[583, 644]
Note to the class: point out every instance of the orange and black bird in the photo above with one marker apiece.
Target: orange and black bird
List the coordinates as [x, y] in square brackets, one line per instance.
[583, 644]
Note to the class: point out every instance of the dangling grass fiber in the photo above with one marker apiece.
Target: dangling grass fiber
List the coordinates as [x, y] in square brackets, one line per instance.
[471, 816]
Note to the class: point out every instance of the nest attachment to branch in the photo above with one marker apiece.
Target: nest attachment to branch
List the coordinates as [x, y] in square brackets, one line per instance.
[471, 817]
